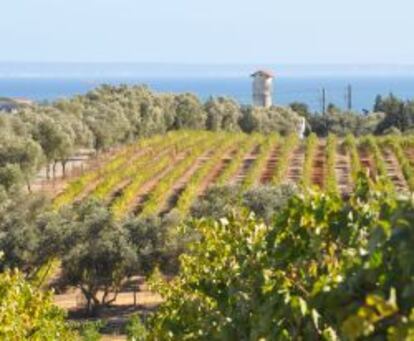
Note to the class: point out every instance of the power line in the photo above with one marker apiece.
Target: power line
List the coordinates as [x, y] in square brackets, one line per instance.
[348, 97]
[323, 101]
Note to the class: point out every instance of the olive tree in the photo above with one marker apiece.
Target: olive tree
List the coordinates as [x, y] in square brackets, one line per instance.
[55, 142]
[156, 242]
[11, 175]
[264, 201]
[96, 253]
[217, 202]
[222, 114]
[30, 160]
[267, 201]
[189, 112]
[269, 120]
[29, 235]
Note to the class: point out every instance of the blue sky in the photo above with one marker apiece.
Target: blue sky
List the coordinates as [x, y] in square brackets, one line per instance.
[209, 31]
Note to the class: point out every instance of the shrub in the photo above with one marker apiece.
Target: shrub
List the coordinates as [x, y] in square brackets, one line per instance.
[283, 121]
[27, 313]
[136, 330]
[217, 202]
[323, 269]
[267, 201]
[89, 331]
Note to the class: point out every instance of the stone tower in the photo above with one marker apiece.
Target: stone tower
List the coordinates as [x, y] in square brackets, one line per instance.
[262, 88]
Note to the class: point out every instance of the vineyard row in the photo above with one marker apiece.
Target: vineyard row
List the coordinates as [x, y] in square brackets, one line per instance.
[170, 171]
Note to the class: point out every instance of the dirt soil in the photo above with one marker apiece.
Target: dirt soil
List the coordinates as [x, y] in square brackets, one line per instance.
[394, 171]
[271, 165]
[343, 171]
[295, 167]
[244, 168]
[319, 165]
[134, 298]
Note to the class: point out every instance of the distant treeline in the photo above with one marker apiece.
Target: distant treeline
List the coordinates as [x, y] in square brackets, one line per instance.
[111, 116]
[390, 115]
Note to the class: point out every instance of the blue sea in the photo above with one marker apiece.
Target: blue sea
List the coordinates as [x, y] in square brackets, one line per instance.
[306, 87]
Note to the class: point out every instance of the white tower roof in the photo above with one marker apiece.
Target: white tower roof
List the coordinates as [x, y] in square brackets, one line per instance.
[265, 73]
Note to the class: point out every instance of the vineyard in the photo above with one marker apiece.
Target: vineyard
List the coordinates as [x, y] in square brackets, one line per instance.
[182, 230]
[164, 172]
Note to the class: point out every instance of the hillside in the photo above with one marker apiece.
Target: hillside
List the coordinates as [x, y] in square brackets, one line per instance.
[158, 174]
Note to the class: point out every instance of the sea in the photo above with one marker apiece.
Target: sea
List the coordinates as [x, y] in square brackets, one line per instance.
[44, 82]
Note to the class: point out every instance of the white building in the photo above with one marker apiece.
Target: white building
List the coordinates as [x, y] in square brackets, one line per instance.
[302, 127]
[262, 88]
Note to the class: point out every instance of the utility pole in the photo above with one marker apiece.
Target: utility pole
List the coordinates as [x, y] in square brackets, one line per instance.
[349, 97]
[323, 101]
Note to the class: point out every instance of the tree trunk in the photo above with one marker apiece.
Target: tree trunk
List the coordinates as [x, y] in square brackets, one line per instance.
[88, 297]
[54, 170]
[88, 306]
[64, 168]
[105, 301]
[113, 299]
[92, 304]
[104, 296]
[29, 187]
[48, 171]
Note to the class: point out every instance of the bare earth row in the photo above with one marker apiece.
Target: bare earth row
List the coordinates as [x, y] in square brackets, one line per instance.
[161, 173]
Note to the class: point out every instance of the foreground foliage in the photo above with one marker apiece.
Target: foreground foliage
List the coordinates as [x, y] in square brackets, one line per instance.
[27, 313]
[323, 269]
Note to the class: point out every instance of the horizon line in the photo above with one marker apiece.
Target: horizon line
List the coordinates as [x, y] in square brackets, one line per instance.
[212, 63]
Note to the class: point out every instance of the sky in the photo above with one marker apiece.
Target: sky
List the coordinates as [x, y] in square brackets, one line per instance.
[208, 32]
